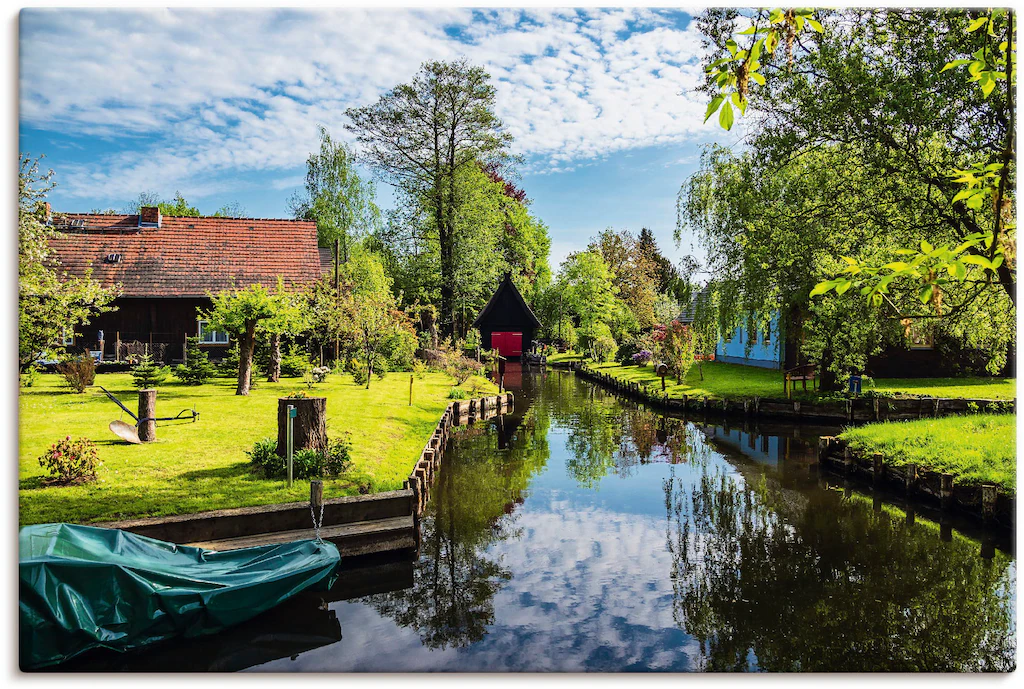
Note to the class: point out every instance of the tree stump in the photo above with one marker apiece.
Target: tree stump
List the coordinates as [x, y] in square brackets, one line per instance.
[147, 410]
[309, 426]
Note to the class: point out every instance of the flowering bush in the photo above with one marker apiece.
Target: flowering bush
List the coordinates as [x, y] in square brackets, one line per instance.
[71, 461]
[676, 347]
[315, 375]
[642, 357]
[79, 372]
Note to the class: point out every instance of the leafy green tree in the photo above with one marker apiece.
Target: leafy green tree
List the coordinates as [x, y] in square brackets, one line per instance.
[239, 312]
[289, 318]
[588, 292]
[420, 136]
[635, 272]
[873, 80]
[51, 303]
[369, 307]
[336, 197]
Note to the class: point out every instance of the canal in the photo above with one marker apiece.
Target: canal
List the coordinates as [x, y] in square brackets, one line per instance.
[583, 532]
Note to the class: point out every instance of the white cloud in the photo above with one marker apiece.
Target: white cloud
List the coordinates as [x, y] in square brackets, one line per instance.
[193, 96]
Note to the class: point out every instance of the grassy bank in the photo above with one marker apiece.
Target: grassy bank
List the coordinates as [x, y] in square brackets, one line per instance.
[978, 448]
[201, 466]
[736, 381]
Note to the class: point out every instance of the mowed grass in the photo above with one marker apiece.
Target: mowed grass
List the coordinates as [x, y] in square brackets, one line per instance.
[737, 381]
[193, 467]
[977, 448]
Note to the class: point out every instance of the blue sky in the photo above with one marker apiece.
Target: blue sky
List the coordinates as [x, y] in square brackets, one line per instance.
[222, 105]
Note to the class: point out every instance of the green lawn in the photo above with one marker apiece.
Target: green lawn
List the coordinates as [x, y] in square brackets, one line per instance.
[977, 448]
[201, 466]
[564, 356]
[736, 381]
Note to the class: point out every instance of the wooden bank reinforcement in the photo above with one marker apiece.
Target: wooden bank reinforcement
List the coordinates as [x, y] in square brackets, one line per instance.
[357, 524]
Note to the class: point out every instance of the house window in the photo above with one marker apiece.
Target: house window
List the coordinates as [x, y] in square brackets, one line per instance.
[753, 336]
[728, 337]
[68, 337]
[208, 335]
[768, 334]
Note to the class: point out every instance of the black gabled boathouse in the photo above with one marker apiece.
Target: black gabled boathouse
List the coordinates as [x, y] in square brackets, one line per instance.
[507, 323]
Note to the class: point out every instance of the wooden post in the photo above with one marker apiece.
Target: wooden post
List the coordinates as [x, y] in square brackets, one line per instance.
[847, 460]
[147, 412]
[117, 346]
[988, 502]
[911, 470]
[877, 467]
[410, 389]
[911, 515]
[824, 443]
[316, 497]
[309, 426]
[946, 491]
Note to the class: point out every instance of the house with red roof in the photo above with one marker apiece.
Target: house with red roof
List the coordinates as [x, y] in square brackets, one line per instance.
[167, 268]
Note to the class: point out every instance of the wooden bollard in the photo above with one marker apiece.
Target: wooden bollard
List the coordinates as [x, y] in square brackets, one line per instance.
[911, 470]
[945, 530]
[988, 502]
[824, 444]
[430, 456]
[796, 407]
[847, 460]
[316, 497]
[946, 491]
[877, 467]
[911, 515]
[410, 389]
[147, 414]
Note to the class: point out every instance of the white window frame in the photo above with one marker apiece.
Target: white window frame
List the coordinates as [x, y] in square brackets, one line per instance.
[204, 329]
[65, 339]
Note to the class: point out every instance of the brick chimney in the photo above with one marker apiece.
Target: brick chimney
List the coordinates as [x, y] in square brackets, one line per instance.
[149, 216]
[48, 213]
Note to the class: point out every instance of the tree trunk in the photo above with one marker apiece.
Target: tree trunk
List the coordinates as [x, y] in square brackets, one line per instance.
[147, 410]
[245, 347]
[829, 380]
[369, 369]
[309, 428]
[274, 370]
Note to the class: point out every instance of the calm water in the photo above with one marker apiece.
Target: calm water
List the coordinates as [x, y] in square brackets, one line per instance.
[583, 533]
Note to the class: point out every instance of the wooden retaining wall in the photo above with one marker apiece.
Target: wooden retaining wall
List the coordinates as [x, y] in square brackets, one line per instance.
[458, 413]
[988, 503]
[860, 410]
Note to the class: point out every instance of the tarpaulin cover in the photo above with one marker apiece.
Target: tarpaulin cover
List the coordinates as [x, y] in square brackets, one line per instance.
[84, 587]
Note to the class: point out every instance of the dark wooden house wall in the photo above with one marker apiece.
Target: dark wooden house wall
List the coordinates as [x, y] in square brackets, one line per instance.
[151, 320]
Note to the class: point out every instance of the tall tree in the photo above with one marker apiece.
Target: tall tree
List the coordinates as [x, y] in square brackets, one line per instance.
[51, 303]
[336, 197]
[420, 135]
[635, 272]
[588, 291]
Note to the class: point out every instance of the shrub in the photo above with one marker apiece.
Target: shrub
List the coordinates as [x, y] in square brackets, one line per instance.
[79, 372]
[463, 368]
[71, 461]
[294, 363]
[457, 394]
[642, 358]
[359, 375]
[314, 376]
[380, 367]
[228, 366]
[30, 377]
[147, 374]
[604, 347]
[197, 368]
[419, 368]
[306, 462]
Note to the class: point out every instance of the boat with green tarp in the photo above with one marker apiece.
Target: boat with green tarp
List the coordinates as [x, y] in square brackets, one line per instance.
[84, 587]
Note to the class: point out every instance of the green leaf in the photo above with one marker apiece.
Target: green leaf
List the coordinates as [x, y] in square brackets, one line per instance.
[732, 46]
[755, 51]
[955, 63]
[905, 252]
[987, 83]
[897, 266]
[740, 103]
[815, 25]
[822, 287]
[976, 24]
[757, 77]
[725, 116]
[926, 248]
[713, 106]
[748, 32]
[961, 270]
[876, 299]
[975, 202]
[844, 286]
[926, 293]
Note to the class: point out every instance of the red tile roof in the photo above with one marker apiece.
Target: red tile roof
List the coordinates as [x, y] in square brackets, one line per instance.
[188, 257]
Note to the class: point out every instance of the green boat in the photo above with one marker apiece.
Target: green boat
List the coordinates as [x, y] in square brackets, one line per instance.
[85, 587]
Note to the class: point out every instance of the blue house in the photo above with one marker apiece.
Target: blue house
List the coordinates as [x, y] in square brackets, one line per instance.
[766, 348]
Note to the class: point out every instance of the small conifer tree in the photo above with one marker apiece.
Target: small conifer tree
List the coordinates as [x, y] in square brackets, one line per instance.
[197, 368]
[147, 373]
